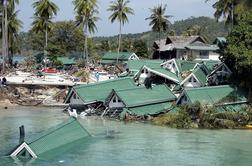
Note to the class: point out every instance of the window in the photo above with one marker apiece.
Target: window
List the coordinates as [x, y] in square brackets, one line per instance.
[194, 80]
[204, 54]
[119, 100]
[114, 100]
[74, 96]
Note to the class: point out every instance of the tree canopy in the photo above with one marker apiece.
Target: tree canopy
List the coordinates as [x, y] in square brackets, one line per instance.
[238, 52]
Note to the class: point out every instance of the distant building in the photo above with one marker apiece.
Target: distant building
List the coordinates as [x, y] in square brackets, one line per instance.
[112, 58]
[184, 47]
[67, 61]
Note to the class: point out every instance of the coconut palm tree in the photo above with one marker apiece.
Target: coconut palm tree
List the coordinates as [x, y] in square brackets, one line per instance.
[85, 17]
[158, 20]
[230, 9]
[44, 12]
[120, 10]
[14, 25]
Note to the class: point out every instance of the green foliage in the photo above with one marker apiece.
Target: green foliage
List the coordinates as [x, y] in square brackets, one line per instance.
[197, 116]
[238, 53]
[67, 37]
[44, 11]
[158, 20]
[140, 48]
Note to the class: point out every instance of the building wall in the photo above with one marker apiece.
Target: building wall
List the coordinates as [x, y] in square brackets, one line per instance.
[115, 103]
[192, 83]
[75, 99]
[214, 55]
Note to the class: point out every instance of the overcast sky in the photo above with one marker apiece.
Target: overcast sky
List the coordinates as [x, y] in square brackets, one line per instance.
[179, 9]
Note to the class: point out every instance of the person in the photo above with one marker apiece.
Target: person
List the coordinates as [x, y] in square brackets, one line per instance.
[97, 75]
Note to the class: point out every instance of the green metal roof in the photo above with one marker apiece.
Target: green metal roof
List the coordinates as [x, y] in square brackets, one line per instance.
[201, 73]
[122, 56]
[163, 73]
[98, 92]
[152, 109]
[141, 96]
[211, 64]
[237, 107]
[67, 60]
[134, 65]
[216, 94]
[58, 136]
[185, 65]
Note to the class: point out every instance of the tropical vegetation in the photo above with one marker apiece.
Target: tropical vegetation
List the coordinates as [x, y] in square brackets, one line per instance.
[44, 12]
[120, 11]
[86, 18]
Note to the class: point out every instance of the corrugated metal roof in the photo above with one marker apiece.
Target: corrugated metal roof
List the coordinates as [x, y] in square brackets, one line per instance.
[123, 56]
[201, 72]
[216, 94]
[58, 136]
[67, 60]
[137, 65]
[141, 96]
[98, 92]
[152, 109]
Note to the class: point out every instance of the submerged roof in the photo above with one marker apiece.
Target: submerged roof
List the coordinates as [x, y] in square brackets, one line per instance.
[141, 96]
[98, 92]
[59, 136]
[216, 94]
[65, 133]
[122, 56]
[152, 109]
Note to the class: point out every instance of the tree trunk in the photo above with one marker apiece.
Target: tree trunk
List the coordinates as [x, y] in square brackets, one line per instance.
[46, 43]
[46, 39]
[3, 43]
[159, 44]
[119, 41]
[6, 32]
[86, 42]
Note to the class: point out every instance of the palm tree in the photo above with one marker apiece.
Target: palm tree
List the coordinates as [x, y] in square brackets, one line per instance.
[13, 27]
[230, 9]
[120, 10]
[86, 11]
[158, 20]
[44, 12]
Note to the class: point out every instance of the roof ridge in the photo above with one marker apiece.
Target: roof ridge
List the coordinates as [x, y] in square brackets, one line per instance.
[102, 82]
[209, 87]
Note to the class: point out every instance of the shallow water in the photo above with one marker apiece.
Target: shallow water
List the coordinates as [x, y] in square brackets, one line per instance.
[133, 144]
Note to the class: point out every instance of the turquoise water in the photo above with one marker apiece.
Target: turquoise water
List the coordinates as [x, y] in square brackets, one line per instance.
[133, 144]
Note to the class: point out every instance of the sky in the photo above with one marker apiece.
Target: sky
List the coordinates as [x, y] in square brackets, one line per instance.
[179, 9]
